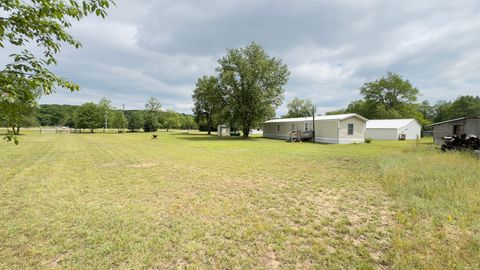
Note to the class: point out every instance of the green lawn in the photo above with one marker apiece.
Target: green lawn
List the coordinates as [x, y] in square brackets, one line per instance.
[96, 201]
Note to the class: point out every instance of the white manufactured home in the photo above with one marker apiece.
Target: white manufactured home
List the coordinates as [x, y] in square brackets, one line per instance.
[393, 129]
[339, 128]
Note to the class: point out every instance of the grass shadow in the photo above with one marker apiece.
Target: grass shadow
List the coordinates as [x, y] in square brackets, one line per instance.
[204, 137]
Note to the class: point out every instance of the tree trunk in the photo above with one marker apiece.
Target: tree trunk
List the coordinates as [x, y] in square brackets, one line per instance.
[209, 125]
[18, 130]
[246, 131]
[91, 130]
[14, 130]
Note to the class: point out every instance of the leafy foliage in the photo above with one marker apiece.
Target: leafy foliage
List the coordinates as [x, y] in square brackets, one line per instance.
[463, 106]
[44, 24]
[252, 85]
[56, 115]
[170, 120]
[119, 121]
[89, 116]
[152, 109]
[299, 108]
[135, 120]
[187, 121]
[208, 101]
[390, 97]
[17, 107]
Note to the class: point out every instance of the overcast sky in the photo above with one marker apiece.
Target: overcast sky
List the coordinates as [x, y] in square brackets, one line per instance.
[160, 48]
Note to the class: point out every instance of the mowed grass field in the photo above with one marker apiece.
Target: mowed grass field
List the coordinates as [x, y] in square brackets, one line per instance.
[125, 201]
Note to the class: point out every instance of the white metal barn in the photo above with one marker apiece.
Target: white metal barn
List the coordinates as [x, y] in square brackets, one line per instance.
[393, 129]
[338, 129]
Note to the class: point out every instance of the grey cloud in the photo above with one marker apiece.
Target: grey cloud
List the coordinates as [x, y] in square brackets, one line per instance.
[159, 48]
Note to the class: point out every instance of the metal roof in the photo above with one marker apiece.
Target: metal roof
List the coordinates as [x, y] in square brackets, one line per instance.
[389, 123]
[453, 120]
[319, 118]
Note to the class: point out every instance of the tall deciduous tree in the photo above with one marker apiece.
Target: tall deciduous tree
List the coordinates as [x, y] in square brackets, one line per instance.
[44, 24]
[152, 109]
[119, 121]
[207, 98]
[135, 121]
[89, 116]
[171, 120]
[299, 108]
[252, 84]
[464, 106]
[388, 97]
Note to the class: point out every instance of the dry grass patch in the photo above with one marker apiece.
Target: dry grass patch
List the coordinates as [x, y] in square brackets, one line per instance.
[438, 217]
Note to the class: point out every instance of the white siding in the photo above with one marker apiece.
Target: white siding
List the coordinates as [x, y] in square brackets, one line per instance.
[412, 130]
[381, 134]
[393, 131]
[326, 130]
[358, 135]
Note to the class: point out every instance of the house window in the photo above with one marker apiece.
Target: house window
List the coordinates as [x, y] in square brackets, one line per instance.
[350, 129]
[278, 127]
[306, 126]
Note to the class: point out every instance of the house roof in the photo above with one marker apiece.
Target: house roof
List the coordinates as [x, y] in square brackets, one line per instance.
[452, 120]
[389, 123]
[319, 118]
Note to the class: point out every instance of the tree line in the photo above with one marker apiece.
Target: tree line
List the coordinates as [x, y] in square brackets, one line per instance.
[392, 97]
[92, 116]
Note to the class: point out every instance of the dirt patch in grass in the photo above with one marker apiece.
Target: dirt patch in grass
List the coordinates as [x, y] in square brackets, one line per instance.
[143, 165]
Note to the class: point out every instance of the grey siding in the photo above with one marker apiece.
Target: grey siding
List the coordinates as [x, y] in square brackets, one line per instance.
[471, 127]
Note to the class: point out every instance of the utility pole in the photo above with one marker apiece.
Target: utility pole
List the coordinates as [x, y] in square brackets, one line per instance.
[314, 109]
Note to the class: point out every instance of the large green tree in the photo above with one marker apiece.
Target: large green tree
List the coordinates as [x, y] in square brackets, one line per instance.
[170, 120]
[207, 98]
[119, 121]
[16, 109]
[390, 91]
[135, 120]
[464, 106]
[299, 108]
[42, 24]
[56, 115]
[89, 116]
[390, 97]
[152, 110]
[252, 85]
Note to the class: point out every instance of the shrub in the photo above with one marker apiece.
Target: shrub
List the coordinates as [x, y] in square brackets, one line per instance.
[368, 140]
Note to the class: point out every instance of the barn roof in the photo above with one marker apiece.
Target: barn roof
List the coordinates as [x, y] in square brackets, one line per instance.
[321, 117]
[453, 120]
[389, 123]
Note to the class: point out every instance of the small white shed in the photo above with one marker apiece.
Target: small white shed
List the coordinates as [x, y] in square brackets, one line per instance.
[393, 129]
[338, 129]
[223, 131]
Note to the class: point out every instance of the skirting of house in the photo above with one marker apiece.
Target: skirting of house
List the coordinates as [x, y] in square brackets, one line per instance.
[317, 139]
[349, 141]
[276, 136]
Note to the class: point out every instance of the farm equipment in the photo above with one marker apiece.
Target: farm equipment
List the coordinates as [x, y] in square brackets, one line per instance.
[462, 142]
